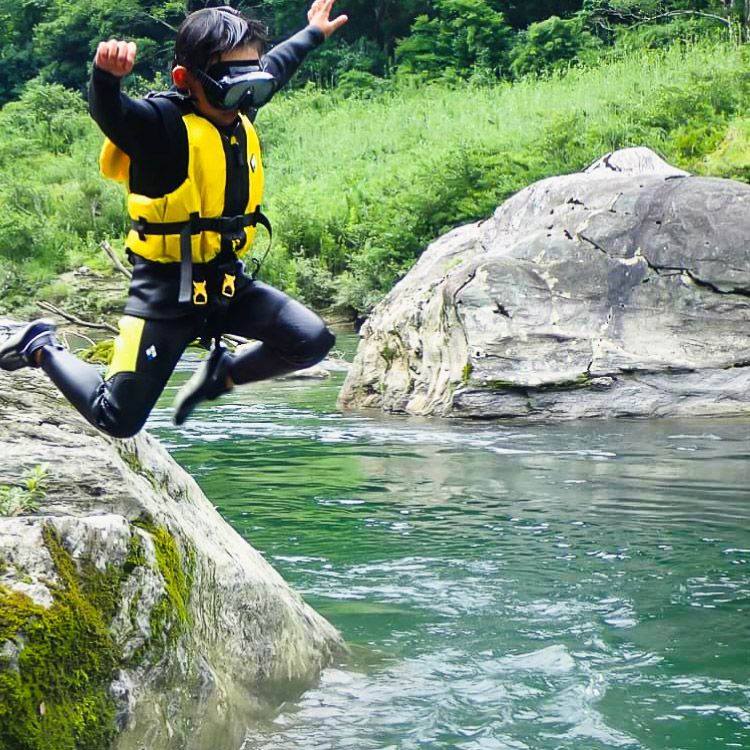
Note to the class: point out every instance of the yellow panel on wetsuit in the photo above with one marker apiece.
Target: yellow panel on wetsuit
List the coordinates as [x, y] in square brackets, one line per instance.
[127, 345]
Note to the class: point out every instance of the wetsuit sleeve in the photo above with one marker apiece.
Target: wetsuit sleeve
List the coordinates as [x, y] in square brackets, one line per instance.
[283, 60]
[158, 151]
[126, 122]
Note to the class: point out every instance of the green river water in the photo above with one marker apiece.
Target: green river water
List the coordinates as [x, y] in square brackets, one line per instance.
[503, 585]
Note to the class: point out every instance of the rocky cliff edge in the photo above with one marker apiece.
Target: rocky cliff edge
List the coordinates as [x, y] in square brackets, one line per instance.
[131, 614]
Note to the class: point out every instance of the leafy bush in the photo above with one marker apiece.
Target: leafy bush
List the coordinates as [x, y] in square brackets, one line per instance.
[358, 83]
[461, 35]
[49, 115]
[550, 45]
[660, 35]
[731, 157]
[53, 205]
[25, 498]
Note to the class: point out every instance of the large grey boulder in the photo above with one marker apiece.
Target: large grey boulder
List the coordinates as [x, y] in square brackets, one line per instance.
[623, 290]
[131, 614]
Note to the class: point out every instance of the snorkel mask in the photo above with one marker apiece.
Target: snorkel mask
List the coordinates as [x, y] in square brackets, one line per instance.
[237, 84]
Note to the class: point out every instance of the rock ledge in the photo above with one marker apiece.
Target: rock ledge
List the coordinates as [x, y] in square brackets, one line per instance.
[131, 614]
[620, 291]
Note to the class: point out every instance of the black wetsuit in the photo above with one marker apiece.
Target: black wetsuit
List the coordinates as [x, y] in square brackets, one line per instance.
[290, 335]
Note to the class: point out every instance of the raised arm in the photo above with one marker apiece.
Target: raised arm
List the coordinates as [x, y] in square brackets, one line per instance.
[125, 121]
[319, 16]
[283, 60]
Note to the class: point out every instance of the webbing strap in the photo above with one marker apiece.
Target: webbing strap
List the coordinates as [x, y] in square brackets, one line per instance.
[186, 263]
[195, 225]
[198, 224]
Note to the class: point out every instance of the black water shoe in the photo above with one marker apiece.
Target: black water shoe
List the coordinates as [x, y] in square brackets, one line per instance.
[208, 383]
[18, 350]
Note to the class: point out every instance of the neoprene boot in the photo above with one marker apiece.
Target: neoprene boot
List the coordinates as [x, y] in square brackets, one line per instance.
[18, 350]
[207, 384]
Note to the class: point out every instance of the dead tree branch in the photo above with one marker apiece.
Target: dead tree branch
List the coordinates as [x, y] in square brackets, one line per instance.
[672, 13]
[49, 307]
[631, 23]
[115, 260]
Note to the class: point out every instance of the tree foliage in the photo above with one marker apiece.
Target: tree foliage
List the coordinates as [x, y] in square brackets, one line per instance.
[55, 39]
[550, 44]
[460, 35]
[347, 227]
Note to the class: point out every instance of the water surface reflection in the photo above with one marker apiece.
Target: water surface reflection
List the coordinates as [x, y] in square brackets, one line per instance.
[570, 586]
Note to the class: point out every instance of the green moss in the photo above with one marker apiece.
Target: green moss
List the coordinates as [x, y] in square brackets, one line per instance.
[170, 618]
[136, 555]
[452, 263]
[101, 353]
[133, 606]
[135, 464]
[582, 381]
[132, 460]
[388, 353]
[56, 694]
[468, 369]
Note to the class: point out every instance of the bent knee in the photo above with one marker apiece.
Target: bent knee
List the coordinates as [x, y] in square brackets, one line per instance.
[313, 348]
[306, 339]
[120, 421]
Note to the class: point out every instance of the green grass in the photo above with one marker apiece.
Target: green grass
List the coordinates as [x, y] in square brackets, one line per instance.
[357, 187]
[365, 184]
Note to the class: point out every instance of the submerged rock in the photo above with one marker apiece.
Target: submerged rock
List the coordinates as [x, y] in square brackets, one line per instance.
[623, 290]
[131, 614]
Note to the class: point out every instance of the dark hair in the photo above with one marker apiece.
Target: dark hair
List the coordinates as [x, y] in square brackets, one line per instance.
[208, 33]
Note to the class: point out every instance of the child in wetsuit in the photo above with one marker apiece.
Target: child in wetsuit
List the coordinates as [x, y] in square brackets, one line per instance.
[191, 160]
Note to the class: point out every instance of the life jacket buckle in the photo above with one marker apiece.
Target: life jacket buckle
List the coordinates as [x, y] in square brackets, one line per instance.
[227, 288]
[139, 225]
[200, 294]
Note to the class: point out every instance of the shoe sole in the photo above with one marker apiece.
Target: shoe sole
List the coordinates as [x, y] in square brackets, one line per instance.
[10, 358]
[185, 403]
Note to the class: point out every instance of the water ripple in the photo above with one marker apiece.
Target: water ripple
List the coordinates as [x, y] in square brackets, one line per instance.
[503, 586]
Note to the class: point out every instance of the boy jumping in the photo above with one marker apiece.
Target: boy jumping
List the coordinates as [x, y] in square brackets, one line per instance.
[191, 160]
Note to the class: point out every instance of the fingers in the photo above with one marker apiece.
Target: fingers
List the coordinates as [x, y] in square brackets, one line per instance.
[337, 23]
[116, 57]
[316, 7]
[319, 15]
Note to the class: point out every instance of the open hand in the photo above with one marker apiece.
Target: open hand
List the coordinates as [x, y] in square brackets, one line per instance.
[319, 15]
[116, 57]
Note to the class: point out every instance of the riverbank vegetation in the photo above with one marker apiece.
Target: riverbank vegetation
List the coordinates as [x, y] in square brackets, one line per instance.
[367, 165]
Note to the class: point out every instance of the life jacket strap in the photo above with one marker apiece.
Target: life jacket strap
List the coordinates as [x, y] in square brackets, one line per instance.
[224, 225]
[186, 263]
[198, 224]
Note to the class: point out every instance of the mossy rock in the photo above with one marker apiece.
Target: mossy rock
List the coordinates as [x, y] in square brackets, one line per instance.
[57, 663]
[101, 353]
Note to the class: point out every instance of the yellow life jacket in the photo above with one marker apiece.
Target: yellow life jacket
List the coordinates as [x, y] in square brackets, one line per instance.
[187, 224]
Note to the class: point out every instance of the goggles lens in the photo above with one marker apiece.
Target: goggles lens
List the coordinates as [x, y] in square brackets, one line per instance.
[238, 84]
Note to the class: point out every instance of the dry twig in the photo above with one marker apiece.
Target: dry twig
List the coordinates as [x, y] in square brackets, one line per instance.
[115, 260]
[48, 307]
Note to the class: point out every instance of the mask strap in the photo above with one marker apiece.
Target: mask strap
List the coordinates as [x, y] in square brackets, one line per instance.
[208, 83]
